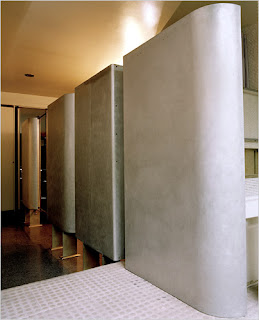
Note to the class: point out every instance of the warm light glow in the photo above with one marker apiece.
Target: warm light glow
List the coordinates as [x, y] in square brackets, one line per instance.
[133, 36]
[151, 14]
[137, 30]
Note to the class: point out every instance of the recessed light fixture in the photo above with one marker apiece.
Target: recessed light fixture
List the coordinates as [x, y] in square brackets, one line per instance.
[29, 75]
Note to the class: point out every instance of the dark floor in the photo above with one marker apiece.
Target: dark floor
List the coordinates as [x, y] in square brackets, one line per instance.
[26, 256]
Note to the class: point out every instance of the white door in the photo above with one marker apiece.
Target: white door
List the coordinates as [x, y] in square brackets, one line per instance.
[7, 158]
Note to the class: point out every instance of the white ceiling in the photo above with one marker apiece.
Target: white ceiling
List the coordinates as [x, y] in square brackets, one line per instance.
[63, 43]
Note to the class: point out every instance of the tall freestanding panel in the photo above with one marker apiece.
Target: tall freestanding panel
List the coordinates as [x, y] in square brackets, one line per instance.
[61, 163]
[31, 163]
[99, 163]
[184, 161]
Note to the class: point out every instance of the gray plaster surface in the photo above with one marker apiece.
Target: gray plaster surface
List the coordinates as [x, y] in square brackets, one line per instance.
[61, 163]
[99, 163]
[184, 161]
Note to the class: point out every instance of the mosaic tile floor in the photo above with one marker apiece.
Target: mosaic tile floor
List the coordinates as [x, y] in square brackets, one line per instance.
[107, 292]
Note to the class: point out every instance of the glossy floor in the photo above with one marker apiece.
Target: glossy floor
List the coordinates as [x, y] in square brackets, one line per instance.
[26, 256]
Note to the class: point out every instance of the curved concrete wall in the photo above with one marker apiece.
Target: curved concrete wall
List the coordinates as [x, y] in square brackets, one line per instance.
[61, 163]
[184, 161]
[99, 162]
[31, 163]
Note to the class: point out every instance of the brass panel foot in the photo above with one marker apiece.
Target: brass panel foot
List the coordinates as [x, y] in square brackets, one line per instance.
[56, 248]
[69, 257]
[36, 225]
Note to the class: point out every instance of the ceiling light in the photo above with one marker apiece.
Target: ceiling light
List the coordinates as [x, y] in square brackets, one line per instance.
[29, 75]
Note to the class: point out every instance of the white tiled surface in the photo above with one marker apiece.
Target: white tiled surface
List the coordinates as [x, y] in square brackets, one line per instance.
[251, 187]
[107, 292]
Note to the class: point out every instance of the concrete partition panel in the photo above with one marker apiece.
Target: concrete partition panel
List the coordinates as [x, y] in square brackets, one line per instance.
[184, 161]
[99, 163]
[31, 163]
[61, 163]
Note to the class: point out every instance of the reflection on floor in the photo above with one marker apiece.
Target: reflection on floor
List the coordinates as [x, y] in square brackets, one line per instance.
[26, 256]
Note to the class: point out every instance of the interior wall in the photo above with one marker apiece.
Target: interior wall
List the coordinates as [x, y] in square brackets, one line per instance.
[251, 33]
[26, 100]
[7, 158]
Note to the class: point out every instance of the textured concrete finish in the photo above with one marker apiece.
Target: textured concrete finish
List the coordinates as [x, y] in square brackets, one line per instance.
[31, 163]
[184, 161]
[61, 163]
[99, 163]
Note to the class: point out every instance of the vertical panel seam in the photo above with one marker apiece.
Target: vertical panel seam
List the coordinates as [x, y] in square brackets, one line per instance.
[113, 159]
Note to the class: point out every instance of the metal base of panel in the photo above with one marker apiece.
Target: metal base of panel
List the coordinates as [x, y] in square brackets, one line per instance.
[103, 260]
[32, 218]
[65, 241]
[93, 258]
[90, 257]
[69, 246]
[57, 242]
